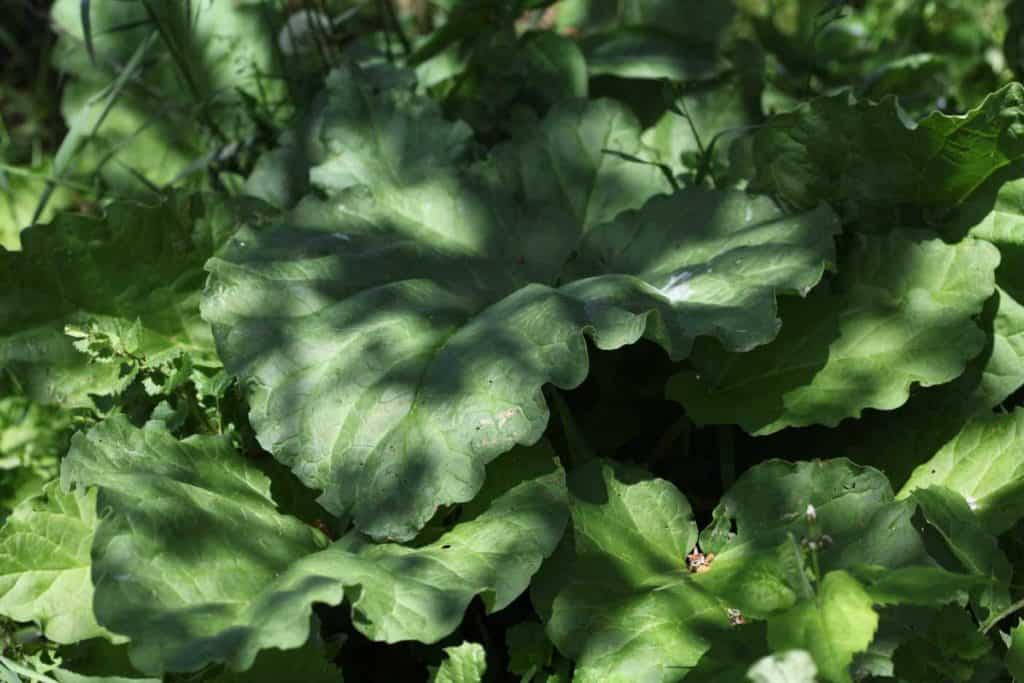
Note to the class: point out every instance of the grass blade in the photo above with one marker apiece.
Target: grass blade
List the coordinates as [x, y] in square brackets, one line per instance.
[87, 30]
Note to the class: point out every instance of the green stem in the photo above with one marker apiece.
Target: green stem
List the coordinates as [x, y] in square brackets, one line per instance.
[679, 428]
[996, 618]
[727, 456]
[579, 450]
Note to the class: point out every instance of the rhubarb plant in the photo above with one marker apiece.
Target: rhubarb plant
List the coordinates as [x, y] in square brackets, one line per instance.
[519, 340]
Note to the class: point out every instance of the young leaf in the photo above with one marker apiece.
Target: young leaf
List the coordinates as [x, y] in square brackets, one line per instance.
[984, 463]
[464, 663]
[45, 566]
[901, 313]
[616, 596]
[833, 626]
[396, 336]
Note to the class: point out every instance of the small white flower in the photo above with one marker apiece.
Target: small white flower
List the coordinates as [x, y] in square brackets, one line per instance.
[811, 513]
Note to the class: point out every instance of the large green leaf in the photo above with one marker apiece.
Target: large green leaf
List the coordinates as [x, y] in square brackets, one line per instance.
[984, 463]
[898, 441]
[45, 567]
[395, 336]
[190, 538]
[126, 285]
[420, 593]
[861, 152]
[996, 213]
[195, 564]
[838, 623]
[900, 313]
[616, 596]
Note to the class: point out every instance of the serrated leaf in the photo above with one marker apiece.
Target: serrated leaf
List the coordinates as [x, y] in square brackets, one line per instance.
[833, 626]
[984, 463]
[137, 268]
[45, 567]
[844, 151]
[900, 314]
[616, 596]
[224, 575]
[395, 337]
[464, 663]
[898, 441]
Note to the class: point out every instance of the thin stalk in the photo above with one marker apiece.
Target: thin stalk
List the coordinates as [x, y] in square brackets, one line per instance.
[679, 428]
[186, 72]
[579, 450]
[996, 618]
[71, 185]
[389, 10]
[727, 456]
[62, 160]
[28, 674]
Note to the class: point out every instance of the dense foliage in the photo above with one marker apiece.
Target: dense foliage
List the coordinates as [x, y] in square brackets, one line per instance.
[484, 340]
